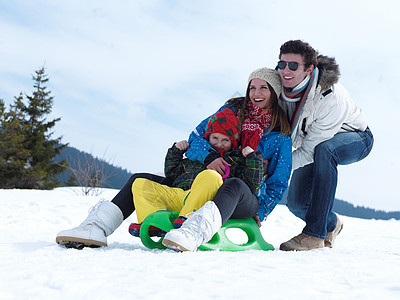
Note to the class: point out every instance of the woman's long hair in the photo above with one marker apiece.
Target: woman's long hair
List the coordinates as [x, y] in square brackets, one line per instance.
[279, 120]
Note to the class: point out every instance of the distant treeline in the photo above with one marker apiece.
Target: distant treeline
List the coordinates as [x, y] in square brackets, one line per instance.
[116, 177]
[347, 209]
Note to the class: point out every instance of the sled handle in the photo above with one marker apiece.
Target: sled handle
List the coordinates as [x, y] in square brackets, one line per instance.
[164, 220]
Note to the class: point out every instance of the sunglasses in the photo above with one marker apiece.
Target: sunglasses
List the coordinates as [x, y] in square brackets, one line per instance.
[293, 66]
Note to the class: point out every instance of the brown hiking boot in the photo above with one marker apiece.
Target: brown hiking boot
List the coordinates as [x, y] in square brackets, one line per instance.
[302, 242]
[331, 236]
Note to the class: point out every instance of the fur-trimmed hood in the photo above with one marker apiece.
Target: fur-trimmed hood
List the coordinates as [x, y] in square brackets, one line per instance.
[328, 71]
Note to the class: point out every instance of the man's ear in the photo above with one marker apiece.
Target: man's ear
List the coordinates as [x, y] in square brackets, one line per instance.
[310, 69]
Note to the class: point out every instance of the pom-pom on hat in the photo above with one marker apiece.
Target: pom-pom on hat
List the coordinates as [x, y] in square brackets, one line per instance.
[270, 76]
[226, 123]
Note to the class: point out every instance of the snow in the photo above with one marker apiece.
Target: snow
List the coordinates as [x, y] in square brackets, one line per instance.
[364, 263]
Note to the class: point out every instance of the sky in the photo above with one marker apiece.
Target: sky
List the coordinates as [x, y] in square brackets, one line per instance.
[363, 264]
[129, 78]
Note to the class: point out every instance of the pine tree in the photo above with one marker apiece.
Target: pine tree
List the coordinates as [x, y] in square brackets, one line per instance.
[13, 155]
[42, 167]
[36, 167]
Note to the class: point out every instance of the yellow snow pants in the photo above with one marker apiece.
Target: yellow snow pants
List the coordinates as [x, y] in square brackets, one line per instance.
[150, 196]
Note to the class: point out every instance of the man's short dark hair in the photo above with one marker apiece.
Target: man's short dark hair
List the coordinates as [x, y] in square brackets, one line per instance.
[299, 47]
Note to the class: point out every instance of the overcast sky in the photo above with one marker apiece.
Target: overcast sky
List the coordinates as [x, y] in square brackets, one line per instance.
[131, 77]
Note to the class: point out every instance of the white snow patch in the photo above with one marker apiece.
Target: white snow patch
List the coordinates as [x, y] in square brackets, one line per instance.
[364, 264]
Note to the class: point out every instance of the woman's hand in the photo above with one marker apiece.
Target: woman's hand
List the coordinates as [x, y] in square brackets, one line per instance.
[257, 219]
[247, 150]
[182, 145]
[218, 165]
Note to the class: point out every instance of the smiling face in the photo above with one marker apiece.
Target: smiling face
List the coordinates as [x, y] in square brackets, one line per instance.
[290, 78]
[259, 93]
[220, 141]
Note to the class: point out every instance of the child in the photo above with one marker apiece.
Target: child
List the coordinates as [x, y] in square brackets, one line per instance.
[193, 184]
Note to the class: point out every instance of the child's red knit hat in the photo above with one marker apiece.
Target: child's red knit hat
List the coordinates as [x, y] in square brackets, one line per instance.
[226, 123]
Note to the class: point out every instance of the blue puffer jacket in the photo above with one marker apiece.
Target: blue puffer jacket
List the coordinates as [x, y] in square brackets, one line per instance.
[276, 148]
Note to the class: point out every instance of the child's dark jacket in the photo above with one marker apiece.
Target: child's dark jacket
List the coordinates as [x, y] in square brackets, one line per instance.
[183, 171]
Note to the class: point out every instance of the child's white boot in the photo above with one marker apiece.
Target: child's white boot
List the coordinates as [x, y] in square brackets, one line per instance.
[198, 229]
[102, 220]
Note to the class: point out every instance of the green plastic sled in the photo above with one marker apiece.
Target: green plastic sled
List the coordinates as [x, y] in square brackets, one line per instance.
[255, 239]
[165, 219]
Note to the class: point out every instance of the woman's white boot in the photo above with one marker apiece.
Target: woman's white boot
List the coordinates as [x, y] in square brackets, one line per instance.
[102, 220]
[198, 229]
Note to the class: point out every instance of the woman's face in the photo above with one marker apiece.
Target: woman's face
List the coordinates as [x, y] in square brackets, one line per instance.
[259, 93]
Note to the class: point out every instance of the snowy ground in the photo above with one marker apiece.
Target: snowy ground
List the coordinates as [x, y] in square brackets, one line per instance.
[364, 264]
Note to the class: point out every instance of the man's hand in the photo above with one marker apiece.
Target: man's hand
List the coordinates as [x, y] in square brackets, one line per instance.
[218, 165]
[182, 145]
[247, 150]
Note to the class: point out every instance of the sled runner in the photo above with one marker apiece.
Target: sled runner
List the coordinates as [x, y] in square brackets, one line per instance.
[165, 219]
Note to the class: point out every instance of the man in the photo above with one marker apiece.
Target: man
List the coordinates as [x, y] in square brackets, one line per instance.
[328, 130]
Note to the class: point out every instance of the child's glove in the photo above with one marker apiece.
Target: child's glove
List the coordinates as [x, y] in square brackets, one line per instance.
[247, 150]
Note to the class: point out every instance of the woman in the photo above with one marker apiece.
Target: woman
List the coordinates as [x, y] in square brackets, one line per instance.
[265, 128]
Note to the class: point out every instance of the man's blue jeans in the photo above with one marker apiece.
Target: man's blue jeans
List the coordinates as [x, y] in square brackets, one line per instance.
[312, 188]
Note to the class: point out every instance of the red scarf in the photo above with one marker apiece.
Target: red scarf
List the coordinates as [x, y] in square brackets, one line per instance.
[254, 125]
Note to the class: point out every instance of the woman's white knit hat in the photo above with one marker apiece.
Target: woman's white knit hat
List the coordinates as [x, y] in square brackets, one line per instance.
[270, 76]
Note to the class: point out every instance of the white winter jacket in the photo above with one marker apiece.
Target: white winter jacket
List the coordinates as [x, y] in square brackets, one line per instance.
[328, 110]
